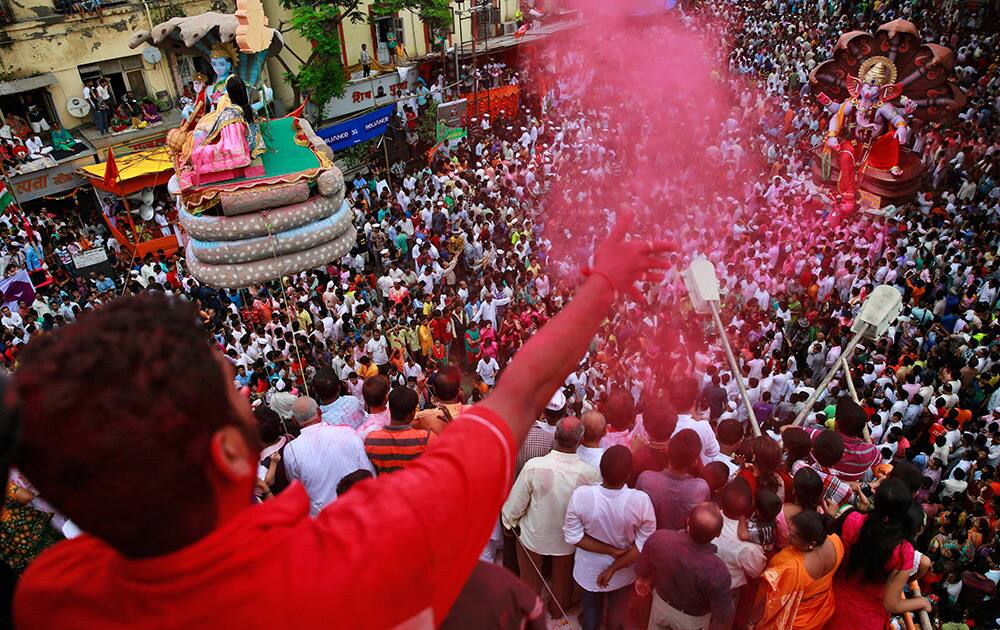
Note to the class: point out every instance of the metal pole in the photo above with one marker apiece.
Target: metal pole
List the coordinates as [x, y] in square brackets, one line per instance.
[854, 393]
[475, 32]
[735, 368]
[388, 172]
[829, 376]
[490, 27]
[475, 76]
[458, 51]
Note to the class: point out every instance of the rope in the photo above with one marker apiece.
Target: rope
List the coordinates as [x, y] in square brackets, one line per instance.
[128, 270]
[541, 577]
[284, 297]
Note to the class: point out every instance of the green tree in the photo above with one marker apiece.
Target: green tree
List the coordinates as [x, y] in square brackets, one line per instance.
[321, 76]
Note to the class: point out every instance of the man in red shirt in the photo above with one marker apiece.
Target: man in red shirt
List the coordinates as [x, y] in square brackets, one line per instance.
[441, 330]
[132, 429]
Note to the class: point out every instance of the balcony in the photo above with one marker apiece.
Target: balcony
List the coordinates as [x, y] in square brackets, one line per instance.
[84, 7]
[6, 14]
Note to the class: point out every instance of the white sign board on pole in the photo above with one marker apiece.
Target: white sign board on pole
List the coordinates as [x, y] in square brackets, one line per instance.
[90, 257]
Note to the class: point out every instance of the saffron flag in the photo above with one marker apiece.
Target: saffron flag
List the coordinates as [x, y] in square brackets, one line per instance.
[111, 169]
[6, 197]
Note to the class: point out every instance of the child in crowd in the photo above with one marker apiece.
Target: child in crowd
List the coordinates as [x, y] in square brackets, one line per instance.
[761, 526]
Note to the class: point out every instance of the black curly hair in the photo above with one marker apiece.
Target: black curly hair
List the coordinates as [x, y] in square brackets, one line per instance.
[119, 409]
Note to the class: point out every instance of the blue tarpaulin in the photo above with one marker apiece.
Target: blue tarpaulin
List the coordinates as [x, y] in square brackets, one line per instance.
[364, 127]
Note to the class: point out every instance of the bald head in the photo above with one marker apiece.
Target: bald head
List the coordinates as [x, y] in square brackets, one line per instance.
[704, 523]
[594, 428]
[305, 411]
[569, 432]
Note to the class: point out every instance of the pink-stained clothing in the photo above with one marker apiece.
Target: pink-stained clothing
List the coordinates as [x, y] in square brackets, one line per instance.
[859, 603]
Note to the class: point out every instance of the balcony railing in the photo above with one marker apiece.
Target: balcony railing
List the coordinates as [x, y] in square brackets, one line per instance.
[85, 7]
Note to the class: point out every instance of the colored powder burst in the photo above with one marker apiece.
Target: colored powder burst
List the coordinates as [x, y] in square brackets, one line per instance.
[644, 99]
[652, 124]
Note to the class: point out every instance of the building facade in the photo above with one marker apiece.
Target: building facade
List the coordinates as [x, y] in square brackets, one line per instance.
[51, 49]
[416, 38]
[60, 44]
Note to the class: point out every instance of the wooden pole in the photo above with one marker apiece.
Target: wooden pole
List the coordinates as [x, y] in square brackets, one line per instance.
[853, 343]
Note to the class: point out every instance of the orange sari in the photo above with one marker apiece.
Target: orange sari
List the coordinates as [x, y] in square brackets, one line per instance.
[794, 599]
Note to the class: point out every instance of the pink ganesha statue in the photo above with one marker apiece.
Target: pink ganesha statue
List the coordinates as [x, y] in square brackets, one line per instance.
[867, 130]
[875, 88]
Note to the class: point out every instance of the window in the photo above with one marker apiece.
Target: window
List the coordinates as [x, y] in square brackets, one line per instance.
[382, 27]
[85, 7]
[18, 103]
[124, 75]
[6, 13]
[187, 67]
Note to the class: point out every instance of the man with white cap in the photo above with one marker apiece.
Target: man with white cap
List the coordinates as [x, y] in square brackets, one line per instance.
[538, 442]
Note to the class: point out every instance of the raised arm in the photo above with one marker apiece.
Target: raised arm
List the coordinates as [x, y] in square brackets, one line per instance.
[543, 364]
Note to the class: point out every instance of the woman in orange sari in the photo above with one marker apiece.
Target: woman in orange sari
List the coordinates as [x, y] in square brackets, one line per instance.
[796, 588]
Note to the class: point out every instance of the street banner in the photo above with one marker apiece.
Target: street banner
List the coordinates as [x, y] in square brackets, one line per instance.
[500, 102]
[451, 120]
[364, 127]
[375, 91]
[17, 287]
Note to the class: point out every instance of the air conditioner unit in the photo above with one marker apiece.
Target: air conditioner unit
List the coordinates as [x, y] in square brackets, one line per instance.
[509, 28]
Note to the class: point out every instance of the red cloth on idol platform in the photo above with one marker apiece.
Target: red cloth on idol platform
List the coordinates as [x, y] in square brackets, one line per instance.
[884, 155]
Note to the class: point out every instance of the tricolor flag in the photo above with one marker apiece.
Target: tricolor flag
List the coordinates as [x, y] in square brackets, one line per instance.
[6, 197]
[17, 287]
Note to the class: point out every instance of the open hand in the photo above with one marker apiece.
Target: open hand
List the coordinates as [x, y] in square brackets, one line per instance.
[624, 262]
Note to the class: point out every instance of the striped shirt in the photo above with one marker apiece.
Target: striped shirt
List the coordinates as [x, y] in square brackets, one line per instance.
[859, 457]
[834, 488]
[537, 443]
[394, 446]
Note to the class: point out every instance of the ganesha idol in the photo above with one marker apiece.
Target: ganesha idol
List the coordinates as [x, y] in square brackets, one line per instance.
[858, 133]
[890, 79]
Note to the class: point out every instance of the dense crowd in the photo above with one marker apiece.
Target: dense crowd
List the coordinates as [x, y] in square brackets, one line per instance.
[642, 493]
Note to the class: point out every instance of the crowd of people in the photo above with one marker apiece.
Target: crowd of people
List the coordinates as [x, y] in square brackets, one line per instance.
[642, 496]
[29, 142]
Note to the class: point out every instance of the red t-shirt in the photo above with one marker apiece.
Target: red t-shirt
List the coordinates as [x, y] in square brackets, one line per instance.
[394, 549]
[936, 430]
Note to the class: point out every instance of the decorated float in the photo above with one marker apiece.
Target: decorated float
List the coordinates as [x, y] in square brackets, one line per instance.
[259, 198]
[127, 186]
[873, 88]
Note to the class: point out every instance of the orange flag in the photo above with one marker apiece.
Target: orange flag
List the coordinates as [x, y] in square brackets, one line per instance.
[111, 169]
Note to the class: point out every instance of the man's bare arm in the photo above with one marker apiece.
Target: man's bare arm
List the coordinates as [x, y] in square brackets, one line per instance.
[542, 365]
